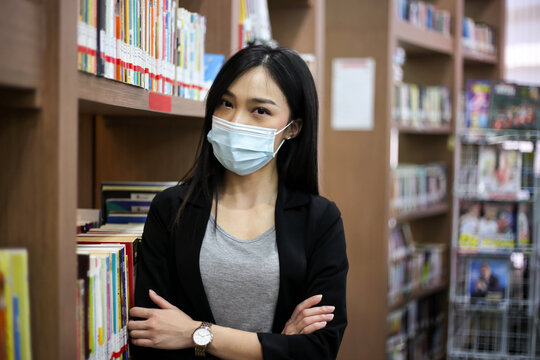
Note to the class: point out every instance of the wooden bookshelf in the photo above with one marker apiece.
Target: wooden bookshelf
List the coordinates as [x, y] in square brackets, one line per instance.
[418, 294]
[474, 56]
[21, 50]
[433, 210]
[62, 132]
[423, 130]
[98, 95]
[357, 30]
[38, 147]
[415, 39]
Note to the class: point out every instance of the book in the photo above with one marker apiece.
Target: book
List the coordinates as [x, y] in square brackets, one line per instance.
[499, 171]
[132, 244]
[524, 225]
[15, 338]
[487, 280]
[108, 299]
[144, 192]
[497, 227]
[478, 96]
[469, 219]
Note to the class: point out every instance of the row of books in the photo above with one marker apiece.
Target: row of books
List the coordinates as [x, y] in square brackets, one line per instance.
[254, 27]
[502, 105]
[105, 292]
[417, 187]
[416, 330]
[128, 202]
[497, 172]
[412, 266]
[425, 15]
[148, 43]
[478, 37]
[15, 331]
[421, 106]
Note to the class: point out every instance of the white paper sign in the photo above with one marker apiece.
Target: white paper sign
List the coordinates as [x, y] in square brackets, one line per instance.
[353, 89]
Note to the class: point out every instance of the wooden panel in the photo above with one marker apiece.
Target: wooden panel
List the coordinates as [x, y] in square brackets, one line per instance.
[136, 149]
[293, 26]
[21, 43]
[356, 173]
[429, 70]
[86, 162]
[105, 96]
[221, 23]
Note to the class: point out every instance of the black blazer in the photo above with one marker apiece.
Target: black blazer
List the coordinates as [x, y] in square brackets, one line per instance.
[312, 259]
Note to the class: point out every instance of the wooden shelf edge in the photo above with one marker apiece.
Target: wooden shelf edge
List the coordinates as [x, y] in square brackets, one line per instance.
[433, 210]
[474, 56]
[419, 294]
[110, 97]
[429, 40]
[427, 130]
[21, 44]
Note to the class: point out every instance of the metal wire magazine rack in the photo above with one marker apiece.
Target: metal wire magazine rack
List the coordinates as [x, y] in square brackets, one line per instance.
[495, 257]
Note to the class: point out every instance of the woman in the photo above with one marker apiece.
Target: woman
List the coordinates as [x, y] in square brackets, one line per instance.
[243, 259]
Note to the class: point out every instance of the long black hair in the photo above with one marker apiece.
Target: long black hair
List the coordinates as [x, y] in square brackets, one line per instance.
[297, 158]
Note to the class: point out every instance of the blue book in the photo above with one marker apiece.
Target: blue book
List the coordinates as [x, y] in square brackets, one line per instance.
[212, 65]
[16, 328]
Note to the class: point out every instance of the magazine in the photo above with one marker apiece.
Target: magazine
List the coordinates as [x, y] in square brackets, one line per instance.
[499, 171]
[487, 280]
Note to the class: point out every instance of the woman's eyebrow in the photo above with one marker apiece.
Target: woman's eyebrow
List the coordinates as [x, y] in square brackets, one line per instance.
[262, 101]
[252, 100]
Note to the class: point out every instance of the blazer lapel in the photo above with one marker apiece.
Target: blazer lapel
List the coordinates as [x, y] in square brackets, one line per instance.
[291, 228]
[188, 240]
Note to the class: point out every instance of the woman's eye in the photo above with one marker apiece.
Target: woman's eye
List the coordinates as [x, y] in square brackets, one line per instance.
[262, 111]
[226, 103]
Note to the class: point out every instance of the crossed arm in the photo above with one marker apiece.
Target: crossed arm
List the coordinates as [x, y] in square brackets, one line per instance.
[168, 327]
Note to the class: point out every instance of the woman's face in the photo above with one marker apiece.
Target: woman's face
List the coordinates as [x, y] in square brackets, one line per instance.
[255, 99]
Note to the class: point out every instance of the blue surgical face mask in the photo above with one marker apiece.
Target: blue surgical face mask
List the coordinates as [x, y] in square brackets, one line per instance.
[242, 149]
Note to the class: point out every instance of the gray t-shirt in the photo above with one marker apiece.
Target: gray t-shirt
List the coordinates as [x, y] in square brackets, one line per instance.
[241, 278]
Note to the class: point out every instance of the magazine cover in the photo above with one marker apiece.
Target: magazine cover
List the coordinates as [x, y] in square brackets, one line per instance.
[504, 107]
[478, 98]
[524, 225]
[487, 280]
[468, 224]
[499, 171]
[496, 228]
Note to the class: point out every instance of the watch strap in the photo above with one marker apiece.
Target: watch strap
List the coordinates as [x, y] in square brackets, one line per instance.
[200, 350]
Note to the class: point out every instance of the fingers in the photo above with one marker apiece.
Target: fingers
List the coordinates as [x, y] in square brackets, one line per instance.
[140, 312]
[159, 301]
[138, 325]
[313, 327]
[317, 311]
[139, 334]
[309, 302]
[142, 342]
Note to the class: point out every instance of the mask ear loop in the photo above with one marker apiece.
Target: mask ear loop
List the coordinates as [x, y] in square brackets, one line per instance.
[282, 141]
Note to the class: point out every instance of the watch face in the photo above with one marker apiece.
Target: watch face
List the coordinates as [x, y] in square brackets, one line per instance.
[202, 336]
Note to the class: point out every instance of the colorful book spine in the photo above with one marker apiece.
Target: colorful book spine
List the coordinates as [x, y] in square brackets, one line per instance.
[108, 298]
[478, 37]
[424, 15]
[417, 187]
[14, 305]
[421, 106]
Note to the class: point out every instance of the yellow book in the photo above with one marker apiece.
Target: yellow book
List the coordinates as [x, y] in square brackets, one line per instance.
[19, 264]
[5, 268]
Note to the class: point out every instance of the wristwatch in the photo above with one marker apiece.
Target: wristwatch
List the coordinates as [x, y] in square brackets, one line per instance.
[202, 336]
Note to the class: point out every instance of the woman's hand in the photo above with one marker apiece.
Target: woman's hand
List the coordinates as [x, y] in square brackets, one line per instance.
[164, 328]
[307, 319]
